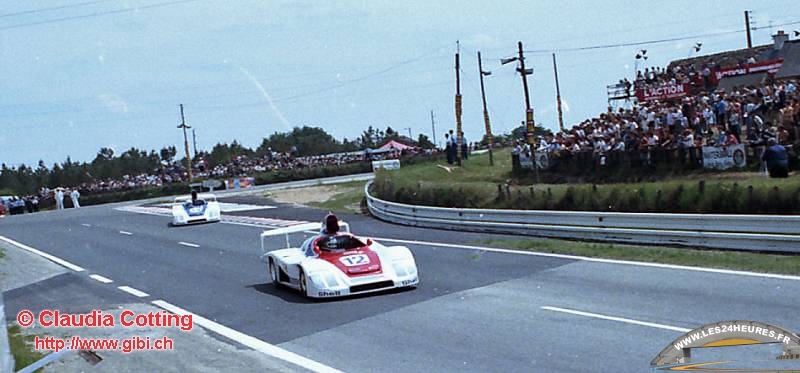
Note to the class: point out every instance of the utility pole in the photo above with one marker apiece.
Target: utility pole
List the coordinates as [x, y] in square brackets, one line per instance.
[485, 110]
[194, 143]
[433, 129]
[409, 133]
[747, 28]
[458, 107]
[184, 126]
[558, 96]
[530, 126]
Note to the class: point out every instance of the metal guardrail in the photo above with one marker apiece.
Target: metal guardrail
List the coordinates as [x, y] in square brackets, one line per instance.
[740, 232]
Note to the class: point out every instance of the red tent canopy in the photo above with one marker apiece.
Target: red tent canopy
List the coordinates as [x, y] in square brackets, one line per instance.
[394, 145]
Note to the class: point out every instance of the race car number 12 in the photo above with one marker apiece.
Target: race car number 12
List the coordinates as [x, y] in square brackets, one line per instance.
[354, 260]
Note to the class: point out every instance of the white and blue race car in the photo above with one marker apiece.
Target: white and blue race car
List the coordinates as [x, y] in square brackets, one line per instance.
[337, 265]
[203, 209]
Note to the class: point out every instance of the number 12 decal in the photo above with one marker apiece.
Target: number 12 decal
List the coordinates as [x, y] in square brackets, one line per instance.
[354, 260]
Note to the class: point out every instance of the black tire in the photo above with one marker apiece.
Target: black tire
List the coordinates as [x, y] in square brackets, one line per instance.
[272, 272]
[303, 286]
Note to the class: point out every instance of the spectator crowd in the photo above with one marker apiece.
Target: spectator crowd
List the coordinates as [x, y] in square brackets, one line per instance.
[677, 129]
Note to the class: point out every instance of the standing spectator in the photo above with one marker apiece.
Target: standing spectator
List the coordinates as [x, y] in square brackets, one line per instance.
[59, 195]
[464, 147]
[776, 158]
[448, 148]
[35, 203]
[74, 196]
[28, 204]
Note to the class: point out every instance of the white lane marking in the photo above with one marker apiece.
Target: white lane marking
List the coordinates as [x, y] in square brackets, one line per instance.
[619, 319]
[597, 260]
[252, 342]
[134, 292]
[86, 225]
[188, 244]
[102, 279]
[45, 255]
[126, 233]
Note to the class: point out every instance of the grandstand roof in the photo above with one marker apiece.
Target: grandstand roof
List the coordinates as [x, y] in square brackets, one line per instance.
[729, 82]
[790, 52]
[724, 58]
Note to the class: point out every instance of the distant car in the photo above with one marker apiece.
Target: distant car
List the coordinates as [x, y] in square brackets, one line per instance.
[337, 265]
[2, 209]
[204, 209]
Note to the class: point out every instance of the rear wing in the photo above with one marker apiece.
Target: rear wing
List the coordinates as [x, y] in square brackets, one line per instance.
[314, 228]
[204, 197]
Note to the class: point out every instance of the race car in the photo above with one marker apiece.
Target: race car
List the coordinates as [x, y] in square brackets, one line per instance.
[339, 264]
[202, 208]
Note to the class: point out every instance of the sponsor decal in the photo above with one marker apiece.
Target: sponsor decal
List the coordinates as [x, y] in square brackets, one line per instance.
[329, 293]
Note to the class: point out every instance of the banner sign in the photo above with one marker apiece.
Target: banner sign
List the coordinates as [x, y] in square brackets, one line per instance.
[389, 164]
[238, 183]
[724, 157]
[662, 92]
[769, 66]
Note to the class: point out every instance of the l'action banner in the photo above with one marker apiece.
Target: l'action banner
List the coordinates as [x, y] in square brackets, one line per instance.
[724, 157]
[662, 92]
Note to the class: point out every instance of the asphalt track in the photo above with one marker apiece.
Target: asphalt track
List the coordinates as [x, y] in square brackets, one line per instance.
[474, 310]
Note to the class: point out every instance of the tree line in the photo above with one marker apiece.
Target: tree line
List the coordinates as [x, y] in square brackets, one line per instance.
[108, 165]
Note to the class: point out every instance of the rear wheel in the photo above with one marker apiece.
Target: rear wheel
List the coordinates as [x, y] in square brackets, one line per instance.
[303, 286]
[273, 272]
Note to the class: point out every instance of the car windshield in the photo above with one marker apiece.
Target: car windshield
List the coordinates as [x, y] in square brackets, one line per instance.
[339, 242]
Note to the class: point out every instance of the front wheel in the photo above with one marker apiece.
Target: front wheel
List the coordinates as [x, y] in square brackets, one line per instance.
[273, 272]
[303, 285]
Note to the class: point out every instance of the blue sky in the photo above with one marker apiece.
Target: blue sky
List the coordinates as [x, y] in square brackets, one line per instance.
[84, 74]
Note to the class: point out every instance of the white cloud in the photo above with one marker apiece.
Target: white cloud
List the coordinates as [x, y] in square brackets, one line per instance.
[113, 103]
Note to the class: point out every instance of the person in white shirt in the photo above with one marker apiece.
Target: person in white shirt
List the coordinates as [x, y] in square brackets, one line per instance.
[74, 195]
[59, 196]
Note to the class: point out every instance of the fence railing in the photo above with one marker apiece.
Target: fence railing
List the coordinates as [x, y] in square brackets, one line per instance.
[741, 232]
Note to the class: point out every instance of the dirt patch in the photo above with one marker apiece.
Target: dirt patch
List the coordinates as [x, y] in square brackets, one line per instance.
[303, 196]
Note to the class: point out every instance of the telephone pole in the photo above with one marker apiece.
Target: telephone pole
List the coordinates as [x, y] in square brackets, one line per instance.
[433, 129]
[194, 143]
[747, 28]
[489, 139]
[184, 126]
[530, 126]
[458, 108]
[558, 96]
[409, 133]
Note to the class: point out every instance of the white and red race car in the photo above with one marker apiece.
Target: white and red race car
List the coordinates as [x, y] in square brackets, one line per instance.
[337, 265]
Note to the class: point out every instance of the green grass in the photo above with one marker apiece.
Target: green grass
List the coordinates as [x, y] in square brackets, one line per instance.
[347, 198]
[22, 348]
[475, 184]
[755, 262]
[2, 253]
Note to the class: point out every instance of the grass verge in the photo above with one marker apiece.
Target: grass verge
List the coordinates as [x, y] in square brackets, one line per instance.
[346, 197]
[21, 348]
[476, 184]
[742, 261]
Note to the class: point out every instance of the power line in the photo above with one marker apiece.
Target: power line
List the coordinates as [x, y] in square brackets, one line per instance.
[656, 41]
[41, 10]
[96, 14]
